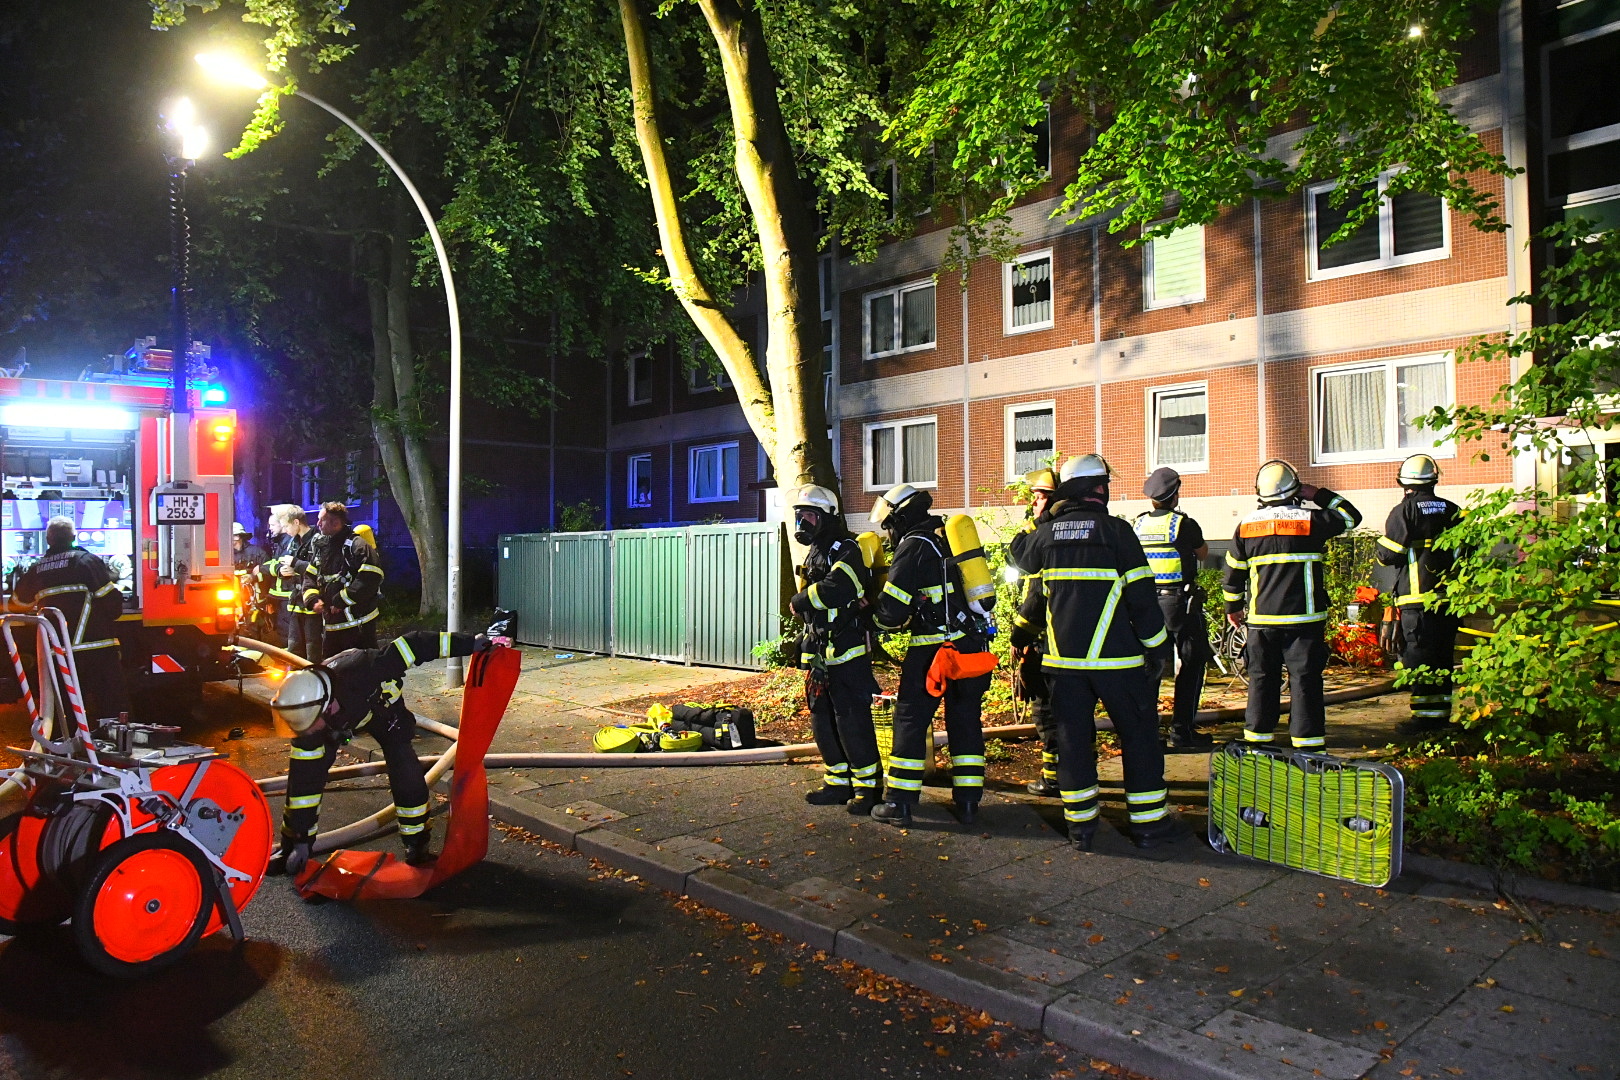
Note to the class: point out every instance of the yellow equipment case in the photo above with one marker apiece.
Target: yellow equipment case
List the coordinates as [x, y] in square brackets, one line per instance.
[1312, 812]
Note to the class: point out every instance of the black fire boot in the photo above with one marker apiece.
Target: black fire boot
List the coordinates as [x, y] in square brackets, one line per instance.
[1153, 833]
[417, 849]
[1046, 789]
[897, 814]
[827, 795]
[867, 798]
[1082, 834]
[1190, 738]
[967, 812]
[292, 858]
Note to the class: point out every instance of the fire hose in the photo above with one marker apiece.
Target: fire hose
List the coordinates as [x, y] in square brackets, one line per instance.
[377, 823]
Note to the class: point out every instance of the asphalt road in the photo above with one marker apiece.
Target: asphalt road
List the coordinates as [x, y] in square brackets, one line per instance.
[533, 964]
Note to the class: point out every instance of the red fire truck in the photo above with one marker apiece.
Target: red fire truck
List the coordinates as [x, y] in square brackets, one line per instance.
[102, 450]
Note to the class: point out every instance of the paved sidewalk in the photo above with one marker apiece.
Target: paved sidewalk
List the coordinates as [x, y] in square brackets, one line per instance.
[1175, 962]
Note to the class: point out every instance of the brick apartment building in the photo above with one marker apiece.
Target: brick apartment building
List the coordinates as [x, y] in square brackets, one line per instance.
[1210, 350]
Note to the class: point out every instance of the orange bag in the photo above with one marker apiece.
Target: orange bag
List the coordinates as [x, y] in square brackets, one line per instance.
[951, 664]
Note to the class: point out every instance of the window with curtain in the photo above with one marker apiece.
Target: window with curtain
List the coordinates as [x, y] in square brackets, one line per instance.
[1181, 427]
[900, 319]
[1033, 434]
[904, 452]
[1173, 268]
[713, 473]
[1029, 292]
[1409, 227]
[638, 481]
[1370, 411]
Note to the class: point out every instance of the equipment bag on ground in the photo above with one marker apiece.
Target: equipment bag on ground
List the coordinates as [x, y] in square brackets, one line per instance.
[724, 726]
[1311, 812]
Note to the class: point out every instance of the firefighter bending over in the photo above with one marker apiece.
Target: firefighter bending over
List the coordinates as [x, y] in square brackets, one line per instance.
[79, 585]
[359, 691]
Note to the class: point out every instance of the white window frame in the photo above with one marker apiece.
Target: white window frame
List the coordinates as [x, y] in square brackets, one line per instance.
[630, 463]
[898, 292]
[1391, 450]
[1386, 236]
[722, 379]
[1154, 302]
[1151, 411]
[898, 426]
[692, 453]
[1007, 327]
[639, 356]
[1007, 430]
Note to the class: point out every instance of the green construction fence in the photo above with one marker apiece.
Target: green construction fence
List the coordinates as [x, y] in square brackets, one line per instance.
[703, 594]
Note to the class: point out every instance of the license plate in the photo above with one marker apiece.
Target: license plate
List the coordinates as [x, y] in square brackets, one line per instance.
[180, 510]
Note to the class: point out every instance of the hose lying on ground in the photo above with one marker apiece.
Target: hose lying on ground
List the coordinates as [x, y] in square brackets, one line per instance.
[763, 755]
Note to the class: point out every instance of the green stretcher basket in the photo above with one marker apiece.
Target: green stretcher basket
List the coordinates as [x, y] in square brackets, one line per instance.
[1311, 812]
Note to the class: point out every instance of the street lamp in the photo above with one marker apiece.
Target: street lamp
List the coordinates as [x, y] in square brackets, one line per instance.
[234, 72]
[180, 122]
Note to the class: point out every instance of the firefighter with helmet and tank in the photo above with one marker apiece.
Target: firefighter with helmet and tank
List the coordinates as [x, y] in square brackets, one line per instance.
[359, 691]
[926, 594]
[342, 584]
[78, 583]
[1274, 581]
[1423, 629]
[833, 650]
[1174, 545]
[1092, 599]
[1031, 676]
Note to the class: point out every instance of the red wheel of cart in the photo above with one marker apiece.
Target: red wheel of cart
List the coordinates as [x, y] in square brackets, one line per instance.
[225, 802]
[144, 905]
[28, 898]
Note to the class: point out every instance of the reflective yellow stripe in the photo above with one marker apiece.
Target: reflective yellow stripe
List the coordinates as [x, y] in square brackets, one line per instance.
[111, 586]
[1386, 542]
[847, 655]
[891, 589]
[411, 811]
[1290, 557]
[1286, 620]
[1231, 597]
[361, 621]
[1105, 621]
[1310, 740]
[369, 568]
[405, 652]
[1079, 573]
[815, 600]
[1103, 664]
[1137, 574]
[906, 763]
[1256, 736]
[444, 643]
[303, 802]
[300, 754]
[1141, 817]
[849, 571]
[967, 759]
[1079, 796]
[1147, 796]
[1236, 564]
[1155, 640]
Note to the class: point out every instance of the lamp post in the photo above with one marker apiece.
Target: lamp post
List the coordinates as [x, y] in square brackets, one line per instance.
[230, 70]
[175, 542]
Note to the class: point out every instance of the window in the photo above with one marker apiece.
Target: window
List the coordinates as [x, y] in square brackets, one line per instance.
[712, 475]
[639, 366]
[1179, 435]
[638, 480]
[1409, 228]
[886, 178]
[307, 483]
[1031, 437]
[353, 477]
[899, 319]
[706, 372]
[1027, 292]
[1173, 269]
[1368, 412]
[902, 452]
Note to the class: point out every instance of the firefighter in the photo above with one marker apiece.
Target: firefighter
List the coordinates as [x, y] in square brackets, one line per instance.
[1274, 573]
[1031, 678]
[1093, 600]
[293, 546]
[79, 585]
[358, 691]
[925, 594]
[1174, 545]
[1426, 631]
[838, 679]
[342, 583]
[248, 559]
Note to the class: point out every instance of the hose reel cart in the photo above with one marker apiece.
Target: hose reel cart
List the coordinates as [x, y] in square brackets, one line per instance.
[145, 843]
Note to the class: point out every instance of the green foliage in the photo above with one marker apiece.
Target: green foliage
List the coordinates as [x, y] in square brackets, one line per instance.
[781, 697]
[583, 516]
[1188, 98]
[1350, 560]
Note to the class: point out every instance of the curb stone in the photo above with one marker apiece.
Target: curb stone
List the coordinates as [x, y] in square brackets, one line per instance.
[1525, 888]
[1085, 1024]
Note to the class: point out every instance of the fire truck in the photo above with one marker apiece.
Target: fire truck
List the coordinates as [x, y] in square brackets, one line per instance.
[149, 489]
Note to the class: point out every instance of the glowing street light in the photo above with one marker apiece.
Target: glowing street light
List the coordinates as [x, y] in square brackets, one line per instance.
[232, 71]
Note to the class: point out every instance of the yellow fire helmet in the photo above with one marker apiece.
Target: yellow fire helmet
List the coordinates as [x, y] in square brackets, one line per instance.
[1041, 480]
[1276, 482]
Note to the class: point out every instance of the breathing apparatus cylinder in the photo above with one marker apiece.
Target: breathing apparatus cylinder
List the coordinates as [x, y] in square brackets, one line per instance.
[968, 554]
[876, 558]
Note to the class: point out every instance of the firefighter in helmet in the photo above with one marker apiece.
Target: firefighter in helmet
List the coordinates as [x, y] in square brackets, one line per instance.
[342, 584]
[1274, 581]
[1031, 677]
[838, 678]
[1174, 545]
[1092, 599]
[1424, 629]
[359, 691]
[79, 585]
[290, 554]
[925, 594]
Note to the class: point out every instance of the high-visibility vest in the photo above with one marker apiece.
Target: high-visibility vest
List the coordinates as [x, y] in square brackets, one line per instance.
[1158, 533]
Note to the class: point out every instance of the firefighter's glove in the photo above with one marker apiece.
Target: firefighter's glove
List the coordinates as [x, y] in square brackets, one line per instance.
[1022, 637]
[801, 605]
[501, 629]
[1389, 636]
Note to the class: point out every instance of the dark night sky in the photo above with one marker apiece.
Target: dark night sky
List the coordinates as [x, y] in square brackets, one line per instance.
[84, 234]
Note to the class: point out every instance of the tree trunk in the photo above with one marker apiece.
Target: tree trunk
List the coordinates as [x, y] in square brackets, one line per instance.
[784, 221]
[788, 417]
[400, 443]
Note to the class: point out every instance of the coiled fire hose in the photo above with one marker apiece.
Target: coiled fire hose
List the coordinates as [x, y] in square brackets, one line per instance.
[378, 823]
